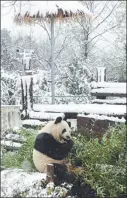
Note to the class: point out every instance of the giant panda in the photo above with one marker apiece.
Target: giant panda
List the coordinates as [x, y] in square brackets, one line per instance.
[52, 145]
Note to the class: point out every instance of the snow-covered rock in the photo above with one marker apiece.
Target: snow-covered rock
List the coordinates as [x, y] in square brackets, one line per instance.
[10, 145]
[102, 117]
[44, 116]
[15, 138]
[16, 182]
[33, 123]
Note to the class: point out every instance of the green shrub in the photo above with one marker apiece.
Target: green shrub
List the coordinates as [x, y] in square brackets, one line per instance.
[103, 164]
[16, 159]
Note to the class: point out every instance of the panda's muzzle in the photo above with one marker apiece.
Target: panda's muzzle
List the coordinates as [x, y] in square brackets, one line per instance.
[68, 137]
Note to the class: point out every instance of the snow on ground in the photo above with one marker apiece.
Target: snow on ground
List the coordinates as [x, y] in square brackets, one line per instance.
[102, 117]
[10, 144]
[19, 183]
[42, 115]
[105, 109]
[113, 101]
[15, 137]
[33, 122]
[107, 85]
[16, 181]
[114, 90]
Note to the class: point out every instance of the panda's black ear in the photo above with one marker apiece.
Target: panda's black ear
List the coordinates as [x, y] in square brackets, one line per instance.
[69, 123]
[58, 120]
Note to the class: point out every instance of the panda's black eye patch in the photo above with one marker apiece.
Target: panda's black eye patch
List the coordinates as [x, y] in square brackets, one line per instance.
[64, 130]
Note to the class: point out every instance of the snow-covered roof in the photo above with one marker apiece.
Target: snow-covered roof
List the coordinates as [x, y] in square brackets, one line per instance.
[37, 10]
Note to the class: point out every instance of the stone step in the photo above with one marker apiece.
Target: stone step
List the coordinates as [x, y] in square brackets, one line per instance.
[15, 138]
[10, 145]
[33, 123]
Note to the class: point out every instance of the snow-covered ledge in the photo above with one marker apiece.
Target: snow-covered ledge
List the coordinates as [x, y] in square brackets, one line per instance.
[16, 181]
[19, 183]
[95, 125]
[10, 117]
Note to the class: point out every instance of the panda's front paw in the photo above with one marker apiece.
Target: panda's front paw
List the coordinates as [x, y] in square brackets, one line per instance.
[62, 141]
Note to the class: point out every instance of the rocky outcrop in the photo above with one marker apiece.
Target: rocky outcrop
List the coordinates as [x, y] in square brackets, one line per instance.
[18, 183]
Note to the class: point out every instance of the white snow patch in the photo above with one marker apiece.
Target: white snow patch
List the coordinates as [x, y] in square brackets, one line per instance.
[120, 90]
[16, 128]
[102, 117]
[33, 122]
[48, 116]
[113, 101]
[16, 180]
[15, 137]
[5, 106]
[105, 109]
[50, 6]
[10, 144]
[107, 85]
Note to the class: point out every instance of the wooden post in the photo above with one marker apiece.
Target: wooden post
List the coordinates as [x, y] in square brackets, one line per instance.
[50, 173]
[31, 92]
[22, 98]
[27, 84]
[27, 96]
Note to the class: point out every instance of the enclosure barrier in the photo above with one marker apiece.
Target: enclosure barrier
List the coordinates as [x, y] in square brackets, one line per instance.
[110, 110]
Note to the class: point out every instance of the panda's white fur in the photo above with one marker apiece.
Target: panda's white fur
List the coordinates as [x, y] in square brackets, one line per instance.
[41, 160]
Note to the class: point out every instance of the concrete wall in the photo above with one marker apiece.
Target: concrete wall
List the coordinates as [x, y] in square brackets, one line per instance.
[10, 117]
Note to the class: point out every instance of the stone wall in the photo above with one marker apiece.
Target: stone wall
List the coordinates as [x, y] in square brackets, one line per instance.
[10, 117]
[95, 127]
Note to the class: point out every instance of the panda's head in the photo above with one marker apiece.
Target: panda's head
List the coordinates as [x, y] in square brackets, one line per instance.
[61, 130]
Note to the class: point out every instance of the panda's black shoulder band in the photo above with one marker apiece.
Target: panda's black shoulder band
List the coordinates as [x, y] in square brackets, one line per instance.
[58, 120]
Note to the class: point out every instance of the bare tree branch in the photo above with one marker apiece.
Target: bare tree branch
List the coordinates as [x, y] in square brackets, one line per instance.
[42, 24]
[101, 33]
[8, 4]
[62, 47]
[93, 45]
[104, 19]
[100, 11]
